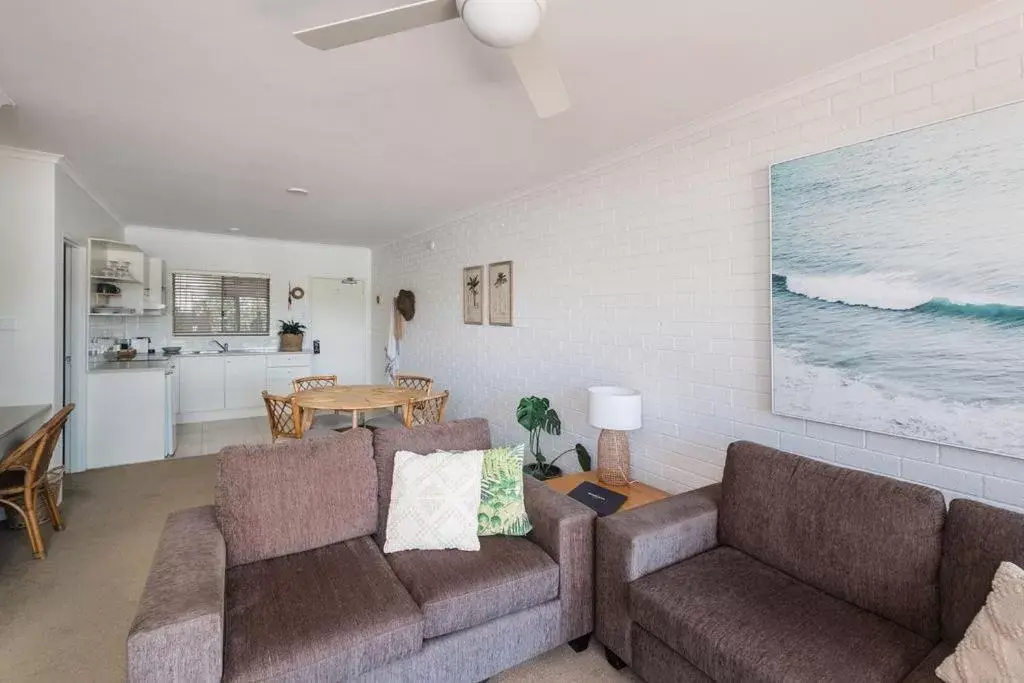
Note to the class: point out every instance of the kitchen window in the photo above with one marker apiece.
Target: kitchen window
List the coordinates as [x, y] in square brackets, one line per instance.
[215, 304]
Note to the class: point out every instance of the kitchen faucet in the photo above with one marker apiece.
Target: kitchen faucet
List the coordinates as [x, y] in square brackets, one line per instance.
[223, 347]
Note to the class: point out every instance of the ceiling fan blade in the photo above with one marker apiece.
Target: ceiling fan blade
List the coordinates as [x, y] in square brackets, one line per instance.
[370, 26]
[541, 79]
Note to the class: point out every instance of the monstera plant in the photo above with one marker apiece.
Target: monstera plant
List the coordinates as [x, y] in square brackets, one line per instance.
[537, 417]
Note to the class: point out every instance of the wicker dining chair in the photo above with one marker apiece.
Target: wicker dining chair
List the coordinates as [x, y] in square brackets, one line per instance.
[283, 415]
[336, 419]
[428, 410]
[415, 382]
[23, 476]
[314, 382]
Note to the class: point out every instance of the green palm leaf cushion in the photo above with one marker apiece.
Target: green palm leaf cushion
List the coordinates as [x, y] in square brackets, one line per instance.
[502, 510]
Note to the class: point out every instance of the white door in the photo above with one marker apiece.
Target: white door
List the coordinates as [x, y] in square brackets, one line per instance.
[244, 380]
[337, 319]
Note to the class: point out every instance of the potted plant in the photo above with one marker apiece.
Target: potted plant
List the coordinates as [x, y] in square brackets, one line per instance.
[537, 416]
[291, 334]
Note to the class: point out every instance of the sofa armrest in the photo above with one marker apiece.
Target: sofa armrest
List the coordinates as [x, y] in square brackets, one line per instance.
[564, 528]
[641, 541]
[178, 632]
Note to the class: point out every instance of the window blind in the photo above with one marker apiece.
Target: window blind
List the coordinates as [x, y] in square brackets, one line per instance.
[210, 304]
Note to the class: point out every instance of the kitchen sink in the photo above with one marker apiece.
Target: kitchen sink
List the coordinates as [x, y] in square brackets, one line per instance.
[233, 352]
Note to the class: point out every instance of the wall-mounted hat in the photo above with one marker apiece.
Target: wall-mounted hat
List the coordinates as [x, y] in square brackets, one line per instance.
[405, 302]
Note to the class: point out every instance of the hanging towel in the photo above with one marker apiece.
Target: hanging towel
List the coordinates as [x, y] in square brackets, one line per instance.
[391, 350]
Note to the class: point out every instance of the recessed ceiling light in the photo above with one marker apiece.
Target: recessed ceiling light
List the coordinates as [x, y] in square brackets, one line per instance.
[234, 229]
[301, 191]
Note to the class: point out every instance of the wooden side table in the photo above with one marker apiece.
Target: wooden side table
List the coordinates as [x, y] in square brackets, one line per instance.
[636, 494]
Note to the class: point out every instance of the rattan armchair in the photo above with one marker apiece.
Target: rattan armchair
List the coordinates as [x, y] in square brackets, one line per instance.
[23, 476]
[337, 419]
[314, 382]
[428, 410]
[284, 416]
[415, 382]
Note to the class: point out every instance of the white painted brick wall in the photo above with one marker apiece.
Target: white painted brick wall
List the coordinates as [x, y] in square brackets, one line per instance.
[650, 269]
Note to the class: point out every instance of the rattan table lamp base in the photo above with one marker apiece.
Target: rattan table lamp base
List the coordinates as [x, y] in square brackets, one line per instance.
[613, 457]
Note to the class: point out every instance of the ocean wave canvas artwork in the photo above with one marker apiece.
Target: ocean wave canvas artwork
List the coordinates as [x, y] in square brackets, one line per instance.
[898, 284]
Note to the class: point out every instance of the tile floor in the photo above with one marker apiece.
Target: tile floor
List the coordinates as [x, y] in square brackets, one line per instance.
[203, 438]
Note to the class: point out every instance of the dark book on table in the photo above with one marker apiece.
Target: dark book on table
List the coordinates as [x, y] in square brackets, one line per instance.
[598, 498]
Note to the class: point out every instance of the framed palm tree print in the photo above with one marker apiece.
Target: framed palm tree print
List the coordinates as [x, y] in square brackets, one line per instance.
[473, 295]
[499, 293]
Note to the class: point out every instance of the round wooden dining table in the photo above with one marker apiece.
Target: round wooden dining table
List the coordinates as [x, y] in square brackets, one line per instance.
[354, 398]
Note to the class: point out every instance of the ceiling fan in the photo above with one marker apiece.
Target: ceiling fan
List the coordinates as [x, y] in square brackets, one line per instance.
[510, 25]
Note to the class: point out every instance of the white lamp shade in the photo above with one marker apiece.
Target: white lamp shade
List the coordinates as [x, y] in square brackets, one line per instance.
[615, 408]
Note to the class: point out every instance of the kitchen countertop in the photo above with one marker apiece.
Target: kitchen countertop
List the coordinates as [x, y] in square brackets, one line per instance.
[158, 361]
[13, 417]
[144, 365]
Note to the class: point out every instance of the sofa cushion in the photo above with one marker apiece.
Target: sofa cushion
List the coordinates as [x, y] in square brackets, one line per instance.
[275, 500]
[993, 647]
[502, 507]
[738, 619]
[978, 537]
[435, 499]
[456, 590]
[459, 435]
[325, 614]
[866, 539]
[924, 672]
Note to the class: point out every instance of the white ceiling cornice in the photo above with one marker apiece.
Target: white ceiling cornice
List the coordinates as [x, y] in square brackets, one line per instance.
[65, 165]
[28, 154]
[61, 162]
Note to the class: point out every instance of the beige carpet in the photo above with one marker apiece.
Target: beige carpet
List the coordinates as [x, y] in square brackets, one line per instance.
[65, 618]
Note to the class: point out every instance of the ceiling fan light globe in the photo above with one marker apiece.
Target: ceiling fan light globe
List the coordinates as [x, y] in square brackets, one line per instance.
[502, 23]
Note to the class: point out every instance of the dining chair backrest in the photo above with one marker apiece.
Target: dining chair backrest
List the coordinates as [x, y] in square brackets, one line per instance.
[314, 382]
[34, 454]
[282, 414]
[428, 410]
[414, 382]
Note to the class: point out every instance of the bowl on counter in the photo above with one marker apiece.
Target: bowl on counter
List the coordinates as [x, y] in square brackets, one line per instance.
[120, 354]
[171, 350]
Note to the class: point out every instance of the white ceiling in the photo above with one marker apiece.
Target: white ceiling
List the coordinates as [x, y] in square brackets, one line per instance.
[198, 115]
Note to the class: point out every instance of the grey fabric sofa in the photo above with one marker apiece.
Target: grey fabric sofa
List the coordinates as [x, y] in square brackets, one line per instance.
[794, 570]
[283, 578]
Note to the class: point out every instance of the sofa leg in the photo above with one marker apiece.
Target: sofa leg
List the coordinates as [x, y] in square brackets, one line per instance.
[580, 644]
[613, 660]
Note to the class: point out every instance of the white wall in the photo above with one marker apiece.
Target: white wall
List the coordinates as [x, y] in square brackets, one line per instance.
[27, 278]
[40, 205]
[652, 270]
[77, 217]
[285, 262]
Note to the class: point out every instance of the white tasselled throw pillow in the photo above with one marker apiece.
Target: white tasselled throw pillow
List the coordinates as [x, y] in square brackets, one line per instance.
[434, 502]
[993, 646]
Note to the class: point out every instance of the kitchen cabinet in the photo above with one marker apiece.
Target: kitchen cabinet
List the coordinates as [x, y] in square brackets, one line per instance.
[282, 368]
[127, 417]
[230, 386]
[153, 284]
[279, 380]
[245, 378]
[201, 385]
